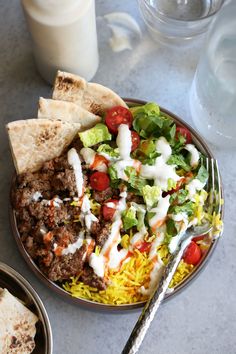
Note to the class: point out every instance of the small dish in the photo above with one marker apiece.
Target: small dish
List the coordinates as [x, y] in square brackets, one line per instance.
[199, 142]
[19, 287]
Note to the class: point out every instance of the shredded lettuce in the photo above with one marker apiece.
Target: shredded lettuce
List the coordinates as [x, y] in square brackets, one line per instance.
[202, 174]
[187, 208]
[129, 218]
[108, 150]
[179, 161]
[150, 122]
[95, 135]
[151, 195]
[134, 180]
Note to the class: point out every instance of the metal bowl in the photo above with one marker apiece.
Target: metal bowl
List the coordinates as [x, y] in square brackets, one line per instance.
[19, 287]
[200, 143]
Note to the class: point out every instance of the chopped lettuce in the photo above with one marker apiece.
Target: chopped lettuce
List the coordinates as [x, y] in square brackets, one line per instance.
[112, 172]
[146, 152]
[150, 122]
[179, 161]
[151, 195]
[171, 228]
[171, 184]
[95, 135]
[129, 218]
[202, 174]
[134, 180]
[108, 150]
[187, 208]
[179, 197]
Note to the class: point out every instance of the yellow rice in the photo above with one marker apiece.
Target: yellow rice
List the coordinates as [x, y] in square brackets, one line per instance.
[124, 285]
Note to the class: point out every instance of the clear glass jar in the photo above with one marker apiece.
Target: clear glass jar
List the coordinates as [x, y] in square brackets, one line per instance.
[213, 91]
[64, 36]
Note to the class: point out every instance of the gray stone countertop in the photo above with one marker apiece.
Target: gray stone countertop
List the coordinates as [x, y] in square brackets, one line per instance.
[200, 320]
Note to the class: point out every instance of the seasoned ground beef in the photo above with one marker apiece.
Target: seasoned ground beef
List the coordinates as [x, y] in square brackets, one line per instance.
[89, 278]
[101, 231]
[108, 193]
[48, 220]
[70, 264]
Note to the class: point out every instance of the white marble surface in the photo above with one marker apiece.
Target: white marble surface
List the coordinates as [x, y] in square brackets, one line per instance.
[202, 319]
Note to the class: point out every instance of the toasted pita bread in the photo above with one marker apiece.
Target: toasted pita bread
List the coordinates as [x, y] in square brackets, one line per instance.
[17, 325]
[93, 97]
[34, 141]
[66, 111]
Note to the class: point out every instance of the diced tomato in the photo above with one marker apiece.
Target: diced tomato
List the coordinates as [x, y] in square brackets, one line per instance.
[185, 132]
[193, 254]
[198, 238]
[135, 140]
[99, 181]
[144, 246]
[116, 116]
[107, 211]
[98, 161]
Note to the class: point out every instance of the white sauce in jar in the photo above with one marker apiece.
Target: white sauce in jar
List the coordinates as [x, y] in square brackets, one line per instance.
[64, 36]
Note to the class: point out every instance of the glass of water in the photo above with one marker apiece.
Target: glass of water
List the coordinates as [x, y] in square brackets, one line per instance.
[213, 91]
[174, 21]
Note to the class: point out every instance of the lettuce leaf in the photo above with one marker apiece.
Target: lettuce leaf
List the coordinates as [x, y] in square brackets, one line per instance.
[202, 174]
[179, 161]
[129, 218]
[150, 122]
[134, 180]
[108, 150]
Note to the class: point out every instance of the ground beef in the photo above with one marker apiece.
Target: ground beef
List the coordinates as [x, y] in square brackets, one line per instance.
[67, 266]
[48, 223]
[101, 197]
[64, 182]
[131, 197]
[88, 277]
[51, 216]
[101, 231]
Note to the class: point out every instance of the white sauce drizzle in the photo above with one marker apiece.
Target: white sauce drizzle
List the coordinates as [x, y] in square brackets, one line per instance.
[74, 161]
[109, 253]
[97, 263]
[160, 171]
[86, 213]
[160, 211]
[194, 186]
[124, 141]
[194, 154]
[88, 155]
[36, 196]
[73, 247]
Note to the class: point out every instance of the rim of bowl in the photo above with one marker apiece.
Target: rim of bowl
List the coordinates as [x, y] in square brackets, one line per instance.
[199, 141]
[158, 14]
[35, 299]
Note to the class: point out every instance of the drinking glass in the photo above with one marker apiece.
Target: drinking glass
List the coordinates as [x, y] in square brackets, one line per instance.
[213, 91]
[172, 21]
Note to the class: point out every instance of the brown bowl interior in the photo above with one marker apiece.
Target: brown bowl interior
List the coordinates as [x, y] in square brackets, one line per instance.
[200, 143]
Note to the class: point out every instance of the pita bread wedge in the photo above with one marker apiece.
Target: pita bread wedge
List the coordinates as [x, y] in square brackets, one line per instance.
[34, 141]
[66, 111]
[93, 97]
[17, 325]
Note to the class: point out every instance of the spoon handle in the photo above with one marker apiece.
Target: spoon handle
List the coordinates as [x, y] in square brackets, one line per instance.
[149, 310]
